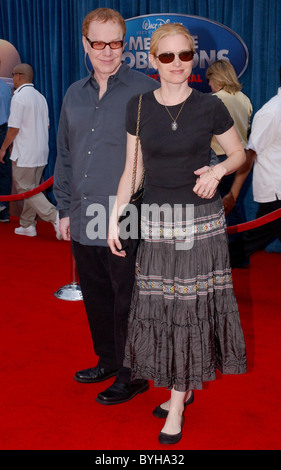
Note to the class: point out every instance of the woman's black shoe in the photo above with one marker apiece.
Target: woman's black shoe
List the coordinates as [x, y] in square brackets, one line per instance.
[160, 413]
[171, 438]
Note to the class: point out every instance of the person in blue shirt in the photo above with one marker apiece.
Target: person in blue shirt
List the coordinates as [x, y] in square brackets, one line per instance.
[5, 167]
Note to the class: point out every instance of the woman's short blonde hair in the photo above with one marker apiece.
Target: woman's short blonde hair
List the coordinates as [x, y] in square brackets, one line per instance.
[169, 29]
[103, 15]
[223, 74]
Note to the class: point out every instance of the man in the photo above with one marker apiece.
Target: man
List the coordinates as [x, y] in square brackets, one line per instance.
[5, 166]
[28, 129]
[264, 152]
[90, 161]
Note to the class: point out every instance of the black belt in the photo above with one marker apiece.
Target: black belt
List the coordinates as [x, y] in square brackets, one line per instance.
[3, 125]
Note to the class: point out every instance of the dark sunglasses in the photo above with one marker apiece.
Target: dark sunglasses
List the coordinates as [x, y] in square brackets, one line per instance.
[168, 57]
[100, 45]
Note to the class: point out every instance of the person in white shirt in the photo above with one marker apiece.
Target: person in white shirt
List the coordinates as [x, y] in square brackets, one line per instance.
[225, 84]
[28, 131]
[264, 155]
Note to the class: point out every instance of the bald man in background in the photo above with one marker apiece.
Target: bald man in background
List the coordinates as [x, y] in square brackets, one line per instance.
[28, 131]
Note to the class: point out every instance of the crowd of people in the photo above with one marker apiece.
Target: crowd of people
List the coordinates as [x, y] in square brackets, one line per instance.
[168, 313]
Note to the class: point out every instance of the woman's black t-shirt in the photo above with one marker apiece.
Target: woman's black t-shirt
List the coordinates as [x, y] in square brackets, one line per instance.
[171, 157]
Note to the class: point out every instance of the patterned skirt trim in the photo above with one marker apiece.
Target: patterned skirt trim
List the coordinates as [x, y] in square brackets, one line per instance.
[184, 322]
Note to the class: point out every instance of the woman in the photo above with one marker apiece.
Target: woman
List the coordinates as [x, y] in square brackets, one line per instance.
[225, 85]
[184, 322]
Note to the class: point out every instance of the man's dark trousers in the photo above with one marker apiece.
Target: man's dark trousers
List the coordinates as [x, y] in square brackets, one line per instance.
[106, 282]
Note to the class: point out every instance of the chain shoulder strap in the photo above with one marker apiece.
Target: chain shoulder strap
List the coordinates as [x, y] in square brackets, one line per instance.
[136, 150]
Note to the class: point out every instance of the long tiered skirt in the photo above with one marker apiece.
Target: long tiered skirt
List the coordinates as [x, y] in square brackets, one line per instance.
[184, 321]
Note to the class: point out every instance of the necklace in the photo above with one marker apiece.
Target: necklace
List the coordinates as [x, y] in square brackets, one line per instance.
[174, 124]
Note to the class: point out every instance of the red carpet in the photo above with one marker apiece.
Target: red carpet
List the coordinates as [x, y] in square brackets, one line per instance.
[45, 340]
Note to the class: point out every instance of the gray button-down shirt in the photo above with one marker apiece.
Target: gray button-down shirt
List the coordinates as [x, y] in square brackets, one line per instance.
[91, 148]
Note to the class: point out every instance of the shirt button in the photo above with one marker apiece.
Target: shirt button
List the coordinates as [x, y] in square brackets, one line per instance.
[89, 153]
[93, 130]
[86, 176]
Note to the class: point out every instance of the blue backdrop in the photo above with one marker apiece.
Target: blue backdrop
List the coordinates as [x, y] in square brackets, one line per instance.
[47, 34]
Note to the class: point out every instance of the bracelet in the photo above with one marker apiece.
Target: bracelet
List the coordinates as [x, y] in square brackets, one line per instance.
[214, 174]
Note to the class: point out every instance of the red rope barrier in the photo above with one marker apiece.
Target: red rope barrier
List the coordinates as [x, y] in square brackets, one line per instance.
[265, 219]
[32, 192]
[230, 230]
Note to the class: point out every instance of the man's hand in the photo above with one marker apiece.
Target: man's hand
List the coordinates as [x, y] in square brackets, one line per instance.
[12, 133]
[228, 202]
[2, 155]
[65, 228]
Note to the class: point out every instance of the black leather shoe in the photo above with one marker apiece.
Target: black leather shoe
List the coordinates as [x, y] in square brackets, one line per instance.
[165, 438]
[120, 392]
[94, 374]
[160, 413]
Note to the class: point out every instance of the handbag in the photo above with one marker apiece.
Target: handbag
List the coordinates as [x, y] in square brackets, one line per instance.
[130, 245]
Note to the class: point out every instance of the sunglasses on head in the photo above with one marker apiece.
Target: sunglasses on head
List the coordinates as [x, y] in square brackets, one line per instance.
[168, 57]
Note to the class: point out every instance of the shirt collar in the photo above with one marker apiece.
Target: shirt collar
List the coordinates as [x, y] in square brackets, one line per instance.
[121, 75]
[22, 86]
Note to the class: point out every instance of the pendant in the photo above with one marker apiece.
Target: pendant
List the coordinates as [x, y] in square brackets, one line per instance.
[174, 126]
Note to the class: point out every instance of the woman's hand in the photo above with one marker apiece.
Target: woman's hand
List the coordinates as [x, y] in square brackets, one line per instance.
[113, 239]
[207, 182]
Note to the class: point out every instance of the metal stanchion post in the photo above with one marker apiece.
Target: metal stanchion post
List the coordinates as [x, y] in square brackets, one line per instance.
[71, 291]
